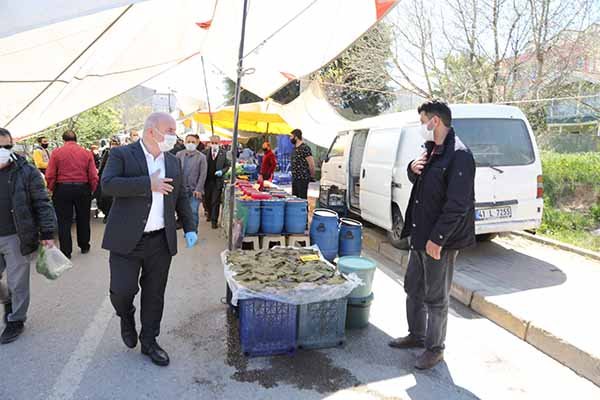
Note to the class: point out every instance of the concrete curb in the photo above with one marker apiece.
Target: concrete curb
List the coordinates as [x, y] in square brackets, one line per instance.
[555, 243]
[583, 363]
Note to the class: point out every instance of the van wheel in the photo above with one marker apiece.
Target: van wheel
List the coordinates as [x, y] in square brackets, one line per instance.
[486, 237]
[394, 234]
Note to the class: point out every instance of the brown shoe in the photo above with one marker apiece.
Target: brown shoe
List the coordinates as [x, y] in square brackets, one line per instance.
[408, 342]
[429, 359]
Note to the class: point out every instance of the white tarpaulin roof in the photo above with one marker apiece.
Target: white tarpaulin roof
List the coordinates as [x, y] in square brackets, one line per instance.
[312, 113]
[61, 57]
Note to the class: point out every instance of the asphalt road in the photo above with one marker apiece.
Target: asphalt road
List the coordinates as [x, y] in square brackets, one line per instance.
[72, 349]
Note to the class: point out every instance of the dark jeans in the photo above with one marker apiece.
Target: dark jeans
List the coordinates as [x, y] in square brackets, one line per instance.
[66, 197]
[152, 257]
[212, 192]
[427, 284]
[300, 188]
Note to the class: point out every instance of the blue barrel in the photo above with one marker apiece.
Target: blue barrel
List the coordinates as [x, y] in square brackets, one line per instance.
[272, 216]
[253, 222]
[324, 232]
[296, 216]
[350, 237]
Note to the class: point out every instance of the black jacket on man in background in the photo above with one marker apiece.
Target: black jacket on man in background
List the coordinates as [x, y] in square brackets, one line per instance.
[442, 200]
[33, 213]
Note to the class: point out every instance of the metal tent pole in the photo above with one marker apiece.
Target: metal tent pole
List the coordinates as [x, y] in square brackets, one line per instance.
[212, 128]
[236, 117]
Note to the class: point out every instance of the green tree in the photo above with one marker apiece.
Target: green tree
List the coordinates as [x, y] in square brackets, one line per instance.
[90, 126]
[358, 79]
[245, 95]
[99, 122]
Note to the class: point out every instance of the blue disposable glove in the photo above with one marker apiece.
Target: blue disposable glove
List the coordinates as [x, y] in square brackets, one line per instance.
[219, 173]
[190, 239]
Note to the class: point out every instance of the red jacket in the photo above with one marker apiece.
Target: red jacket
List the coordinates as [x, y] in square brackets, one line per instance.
[268, 166]
[71, 163]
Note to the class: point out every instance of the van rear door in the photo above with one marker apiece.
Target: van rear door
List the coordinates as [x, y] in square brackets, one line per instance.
[507, 169]
[376, 176]
[333, 170]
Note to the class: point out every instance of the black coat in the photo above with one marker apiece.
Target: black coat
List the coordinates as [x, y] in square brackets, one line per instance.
[222, 163]
[33, 213]
[126, 179]
[442, 200]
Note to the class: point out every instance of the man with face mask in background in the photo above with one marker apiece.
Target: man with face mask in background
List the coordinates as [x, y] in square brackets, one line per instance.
[26, 220]
[41, 154]
[146, 184]
[269, 163]
[193, 165]
[440, 221]
[217, 167]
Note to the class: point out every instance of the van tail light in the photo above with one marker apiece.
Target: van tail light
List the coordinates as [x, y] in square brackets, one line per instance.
[540, 186]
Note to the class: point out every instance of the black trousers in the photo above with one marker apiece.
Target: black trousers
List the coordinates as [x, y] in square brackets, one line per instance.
[151, 256]
[300, 188]
[427, 285]
[212, 193]
[66, 197]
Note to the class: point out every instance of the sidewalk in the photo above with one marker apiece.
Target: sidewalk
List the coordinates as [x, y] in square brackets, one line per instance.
[541, 294]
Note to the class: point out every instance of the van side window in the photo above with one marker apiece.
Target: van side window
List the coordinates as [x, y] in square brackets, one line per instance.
[338, 147]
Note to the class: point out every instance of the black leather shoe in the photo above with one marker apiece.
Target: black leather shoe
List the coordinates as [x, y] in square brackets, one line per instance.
[7, 311]
[128, 332]
[215, 225]
[12, 331]
[85, 250]
[156, 354]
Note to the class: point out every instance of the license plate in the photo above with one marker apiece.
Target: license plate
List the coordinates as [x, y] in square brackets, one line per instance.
[483, 214]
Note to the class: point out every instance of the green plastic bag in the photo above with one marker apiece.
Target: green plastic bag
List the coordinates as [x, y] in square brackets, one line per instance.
[51, 262]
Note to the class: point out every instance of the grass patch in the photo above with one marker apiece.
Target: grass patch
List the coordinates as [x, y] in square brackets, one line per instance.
[572, 198]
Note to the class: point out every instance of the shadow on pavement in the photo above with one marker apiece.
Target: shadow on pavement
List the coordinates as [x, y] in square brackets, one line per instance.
[365, 354]
[495, 270]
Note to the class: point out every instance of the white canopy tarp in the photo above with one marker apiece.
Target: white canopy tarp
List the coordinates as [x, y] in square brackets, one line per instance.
[312, 113]
[61, 57]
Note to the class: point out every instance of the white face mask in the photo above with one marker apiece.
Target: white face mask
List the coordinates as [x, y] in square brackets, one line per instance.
[5, 156]
[190, 146]
[427, 133]
[168, 142]
[215, 147]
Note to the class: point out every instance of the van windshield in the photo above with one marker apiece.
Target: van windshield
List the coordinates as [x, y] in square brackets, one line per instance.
[496, 142]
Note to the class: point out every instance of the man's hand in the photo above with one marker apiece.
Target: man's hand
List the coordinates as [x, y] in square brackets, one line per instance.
[190, 239]
[433, 250]
[48, 243]
[160, 185]
[197, 195]
[417, 165]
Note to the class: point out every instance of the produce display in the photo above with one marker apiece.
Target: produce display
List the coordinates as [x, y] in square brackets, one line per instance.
[281, 268]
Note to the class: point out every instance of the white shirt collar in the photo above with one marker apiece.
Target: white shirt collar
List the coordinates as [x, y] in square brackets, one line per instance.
[148, 154]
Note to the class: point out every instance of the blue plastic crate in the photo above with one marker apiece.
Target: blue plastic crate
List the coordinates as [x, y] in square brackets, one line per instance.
[267, 327]
[322, 325]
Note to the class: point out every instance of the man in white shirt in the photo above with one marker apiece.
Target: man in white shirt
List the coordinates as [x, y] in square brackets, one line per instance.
[147, 185]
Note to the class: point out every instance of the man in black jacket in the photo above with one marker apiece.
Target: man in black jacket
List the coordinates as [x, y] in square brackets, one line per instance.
[26, 219]
[146, 183]
[440, 221]
[217, 167]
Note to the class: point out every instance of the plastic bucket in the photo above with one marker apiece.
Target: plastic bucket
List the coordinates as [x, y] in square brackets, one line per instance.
[296, 216]
[253, 220]
[324, 232]
[350, 237]
[364, 268]
[272, 216]
[359, 309]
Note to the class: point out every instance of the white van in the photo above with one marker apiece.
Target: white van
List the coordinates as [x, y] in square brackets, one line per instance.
[367, 166]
